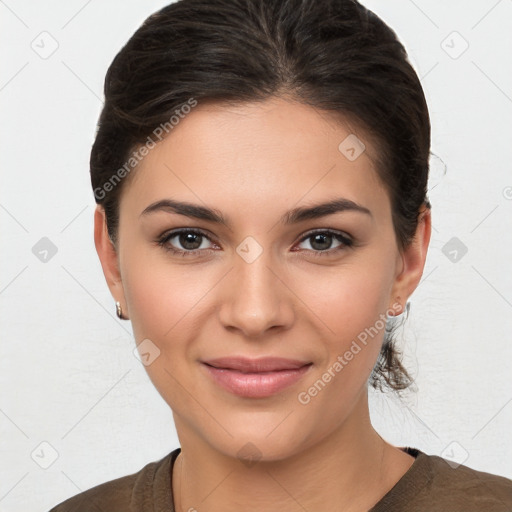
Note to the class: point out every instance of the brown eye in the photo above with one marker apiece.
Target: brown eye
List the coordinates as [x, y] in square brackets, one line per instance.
[189, 240]
[184, 242]
[322, 241]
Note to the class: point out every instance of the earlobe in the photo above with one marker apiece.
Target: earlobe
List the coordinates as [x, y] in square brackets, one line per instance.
[107, 254]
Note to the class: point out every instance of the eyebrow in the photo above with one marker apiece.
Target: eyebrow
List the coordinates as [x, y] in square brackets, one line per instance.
[293, 216]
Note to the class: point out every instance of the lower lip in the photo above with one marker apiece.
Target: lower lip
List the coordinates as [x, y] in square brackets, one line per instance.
[255, 385]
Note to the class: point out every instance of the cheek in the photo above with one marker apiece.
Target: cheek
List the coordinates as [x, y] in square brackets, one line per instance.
[347, 300]
[167, 304]
[161, 294]
[352, 311]
[349, 308]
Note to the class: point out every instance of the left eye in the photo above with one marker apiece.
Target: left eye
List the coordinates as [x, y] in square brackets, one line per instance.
[321, 241]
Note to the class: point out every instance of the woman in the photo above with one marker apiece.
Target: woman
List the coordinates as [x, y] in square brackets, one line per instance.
[260, 170]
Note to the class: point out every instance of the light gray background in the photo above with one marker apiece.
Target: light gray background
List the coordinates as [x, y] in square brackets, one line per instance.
[69, 378]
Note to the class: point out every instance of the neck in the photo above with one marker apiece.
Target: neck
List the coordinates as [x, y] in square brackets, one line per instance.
[350, 470]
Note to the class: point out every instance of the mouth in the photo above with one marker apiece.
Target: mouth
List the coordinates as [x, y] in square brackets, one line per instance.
[256, 378]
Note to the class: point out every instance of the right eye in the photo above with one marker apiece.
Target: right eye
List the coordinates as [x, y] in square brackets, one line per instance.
[189, 239]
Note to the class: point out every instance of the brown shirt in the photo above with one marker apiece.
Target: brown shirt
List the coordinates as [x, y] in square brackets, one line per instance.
[430, 485]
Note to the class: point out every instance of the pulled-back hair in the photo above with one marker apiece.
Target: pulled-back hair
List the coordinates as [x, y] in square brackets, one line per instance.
[334, 55]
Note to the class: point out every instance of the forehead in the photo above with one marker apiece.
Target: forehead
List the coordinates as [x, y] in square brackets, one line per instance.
[254, 155]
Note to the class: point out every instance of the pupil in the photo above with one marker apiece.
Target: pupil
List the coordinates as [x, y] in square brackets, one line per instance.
[187, 239]
[324, 238]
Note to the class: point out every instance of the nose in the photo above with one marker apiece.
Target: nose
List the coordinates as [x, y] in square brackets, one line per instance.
[256, 298]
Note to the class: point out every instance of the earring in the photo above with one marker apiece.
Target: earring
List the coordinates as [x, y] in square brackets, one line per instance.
[119, 311]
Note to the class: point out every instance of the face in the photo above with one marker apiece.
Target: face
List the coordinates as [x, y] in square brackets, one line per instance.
[267, 282]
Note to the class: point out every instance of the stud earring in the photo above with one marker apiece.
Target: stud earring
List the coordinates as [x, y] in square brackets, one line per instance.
[119, 311]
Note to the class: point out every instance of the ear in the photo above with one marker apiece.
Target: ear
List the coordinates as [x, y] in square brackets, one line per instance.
[108, 257]
[412, 260]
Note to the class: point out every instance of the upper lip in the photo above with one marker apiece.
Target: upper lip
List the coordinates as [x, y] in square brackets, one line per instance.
[263, 364]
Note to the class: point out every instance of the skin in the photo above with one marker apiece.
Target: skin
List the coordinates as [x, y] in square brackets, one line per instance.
[253, 163]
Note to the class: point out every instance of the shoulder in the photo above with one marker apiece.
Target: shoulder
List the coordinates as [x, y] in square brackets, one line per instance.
[131, 492]
[433, 483]
[467, 488]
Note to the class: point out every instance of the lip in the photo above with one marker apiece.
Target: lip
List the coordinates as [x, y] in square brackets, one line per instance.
[256, 378]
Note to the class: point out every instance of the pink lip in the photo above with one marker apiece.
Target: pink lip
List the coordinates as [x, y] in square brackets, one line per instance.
[256, 378]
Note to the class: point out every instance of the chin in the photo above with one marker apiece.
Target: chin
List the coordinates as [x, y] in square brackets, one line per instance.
[253, 450]
[252, 441]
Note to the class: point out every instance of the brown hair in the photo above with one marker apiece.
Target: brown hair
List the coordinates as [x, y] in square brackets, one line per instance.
[334, 55]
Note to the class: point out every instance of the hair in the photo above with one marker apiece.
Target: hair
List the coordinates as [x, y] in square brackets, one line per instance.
[334, 55]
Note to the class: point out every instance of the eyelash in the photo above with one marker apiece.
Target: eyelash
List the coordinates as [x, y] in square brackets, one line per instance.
[163, 240]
